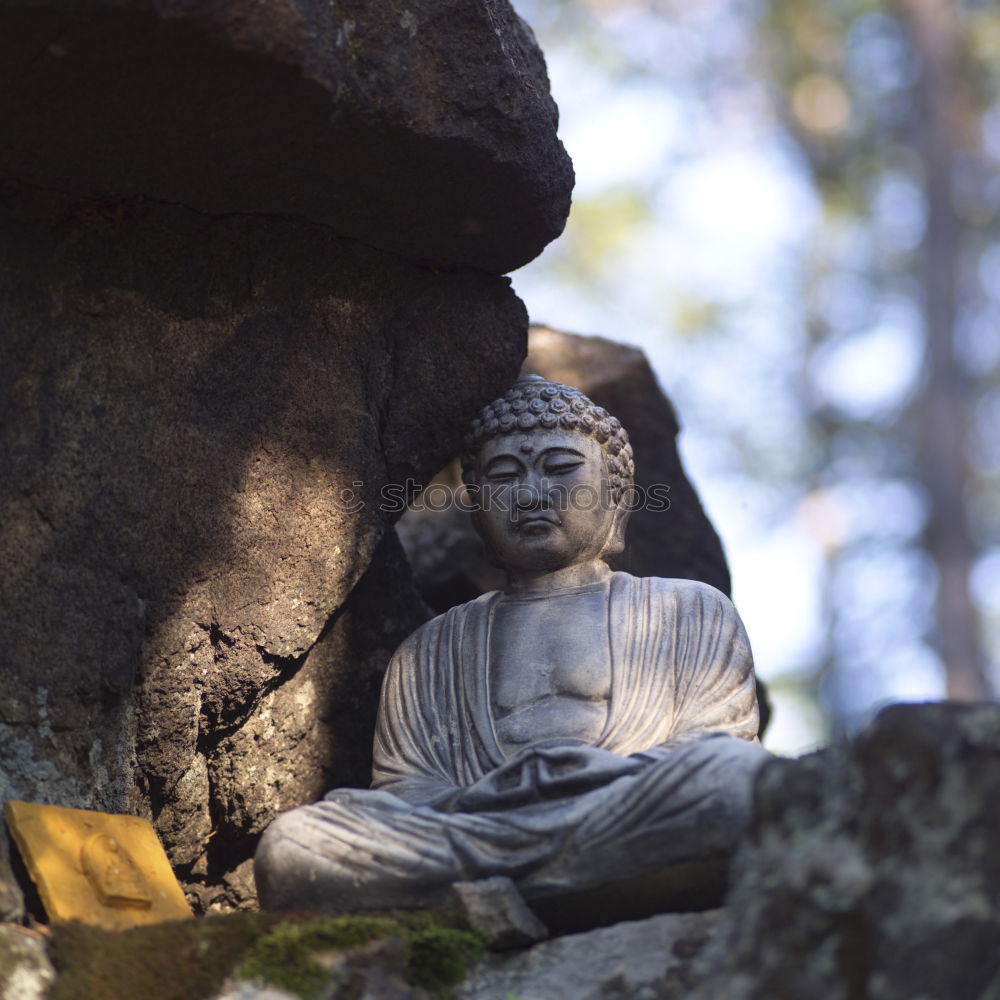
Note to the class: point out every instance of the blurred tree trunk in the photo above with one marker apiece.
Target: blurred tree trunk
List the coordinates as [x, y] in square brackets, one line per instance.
[943, 114]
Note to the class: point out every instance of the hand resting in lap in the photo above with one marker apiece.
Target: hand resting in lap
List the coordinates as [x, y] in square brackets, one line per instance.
[539, 773]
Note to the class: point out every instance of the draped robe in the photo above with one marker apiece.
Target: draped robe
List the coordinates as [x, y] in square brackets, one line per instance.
[682, 720]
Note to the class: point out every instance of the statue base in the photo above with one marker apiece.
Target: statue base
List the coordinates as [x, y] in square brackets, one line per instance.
[682, 888]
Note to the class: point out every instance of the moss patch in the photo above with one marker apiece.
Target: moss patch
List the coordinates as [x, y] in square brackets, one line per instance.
[191, 959]
[284, 957]
[438, 956]
[437, 953]
[180, 960]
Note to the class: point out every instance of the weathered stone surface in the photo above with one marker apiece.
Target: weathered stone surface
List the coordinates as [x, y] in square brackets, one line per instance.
[11, 897]
[371, 972]
[424, 128]
[675, 540]
[25, 969]
[640, 960]
[871, 871]
[494, 908]
[309, 735]
[186, 403]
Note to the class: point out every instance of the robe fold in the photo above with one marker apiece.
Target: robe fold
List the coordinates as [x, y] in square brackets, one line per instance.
[681, 668]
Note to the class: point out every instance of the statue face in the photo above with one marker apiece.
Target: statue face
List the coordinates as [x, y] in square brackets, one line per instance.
[544, 502]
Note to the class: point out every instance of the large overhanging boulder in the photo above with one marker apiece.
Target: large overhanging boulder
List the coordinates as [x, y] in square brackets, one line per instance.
[198, 420]
[425, 128]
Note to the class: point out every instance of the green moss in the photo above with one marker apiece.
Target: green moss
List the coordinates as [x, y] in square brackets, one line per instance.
[284, 957]
[179, 960]
[437, 953]
[190, 959]
[437, 956]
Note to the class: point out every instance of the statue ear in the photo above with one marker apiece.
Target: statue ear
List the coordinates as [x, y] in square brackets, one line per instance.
[616, 536]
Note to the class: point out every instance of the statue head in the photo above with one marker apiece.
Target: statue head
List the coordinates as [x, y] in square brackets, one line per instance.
[551, 473]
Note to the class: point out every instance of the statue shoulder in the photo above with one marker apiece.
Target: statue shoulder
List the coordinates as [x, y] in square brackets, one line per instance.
[675, 588]
[454, 617]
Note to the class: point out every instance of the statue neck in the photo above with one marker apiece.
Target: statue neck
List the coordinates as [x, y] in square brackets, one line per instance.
[540, 581]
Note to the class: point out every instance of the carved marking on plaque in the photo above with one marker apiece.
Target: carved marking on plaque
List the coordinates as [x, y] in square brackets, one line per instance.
[112, 873]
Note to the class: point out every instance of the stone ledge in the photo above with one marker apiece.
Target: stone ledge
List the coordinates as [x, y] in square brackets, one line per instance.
[637, 960]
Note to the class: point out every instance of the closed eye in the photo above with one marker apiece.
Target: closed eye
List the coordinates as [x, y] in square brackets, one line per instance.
[503, 471]
[561, 468]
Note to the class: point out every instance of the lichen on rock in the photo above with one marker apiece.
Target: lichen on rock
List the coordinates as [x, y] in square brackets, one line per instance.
[871, 869]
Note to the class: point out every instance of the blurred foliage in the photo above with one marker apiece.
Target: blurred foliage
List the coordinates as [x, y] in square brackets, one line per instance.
[604, 225]
[887, 101]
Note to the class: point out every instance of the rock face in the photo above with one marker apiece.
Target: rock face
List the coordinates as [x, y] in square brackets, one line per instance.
[425, 128]
[668, 535]
[212, 367]
[640, 960]
[191, 402]
[11, 897]
[304, 737]
[871, 871]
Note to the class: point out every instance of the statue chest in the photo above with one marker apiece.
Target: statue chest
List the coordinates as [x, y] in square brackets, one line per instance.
[550, 668]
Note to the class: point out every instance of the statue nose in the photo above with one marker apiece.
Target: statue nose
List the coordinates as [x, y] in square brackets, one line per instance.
[532, 494]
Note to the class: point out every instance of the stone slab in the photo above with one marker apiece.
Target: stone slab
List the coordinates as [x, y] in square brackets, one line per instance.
[109, 871]
[494, 907]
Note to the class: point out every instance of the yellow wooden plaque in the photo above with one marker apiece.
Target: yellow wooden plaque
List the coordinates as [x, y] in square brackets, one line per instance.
[110, 871]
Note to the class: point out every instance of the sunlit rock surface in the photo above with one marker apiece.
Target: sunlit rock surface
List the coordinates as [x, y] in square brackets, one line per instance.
[640, 960]
[26, 971]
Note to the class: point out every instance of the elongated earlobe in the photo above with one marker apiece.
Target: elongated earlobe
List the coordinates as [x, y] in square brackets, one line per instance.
[616, 536]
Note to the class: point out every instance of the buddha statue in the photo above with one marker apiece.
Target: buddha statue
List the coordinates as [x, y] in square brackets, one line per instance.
[589, 734]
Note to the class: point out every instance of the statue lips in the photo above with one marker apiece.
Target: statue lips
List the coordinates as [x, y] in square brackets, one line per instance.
[537, 524]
